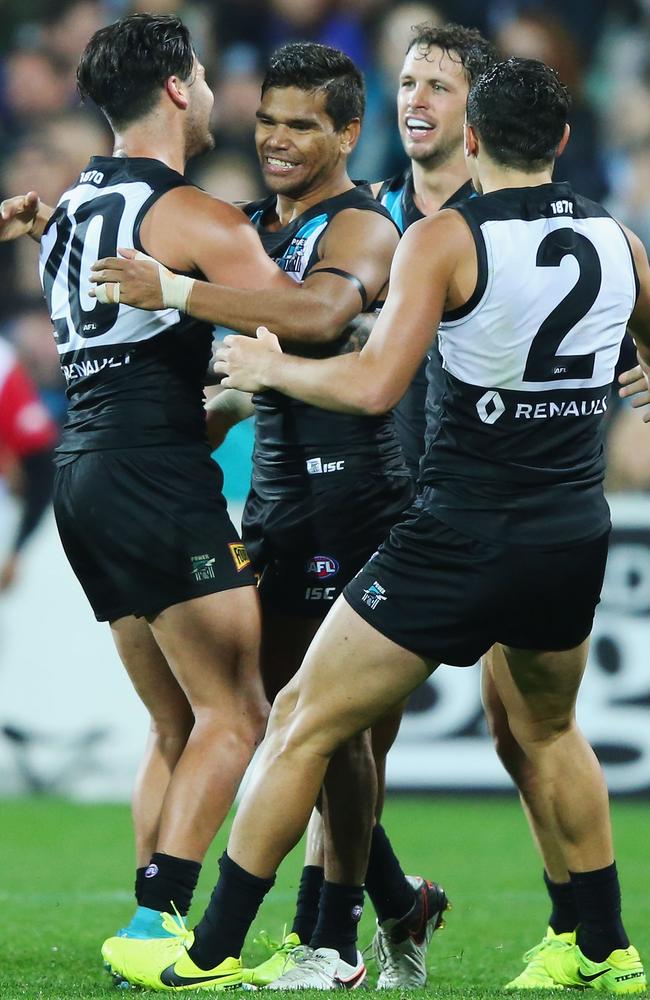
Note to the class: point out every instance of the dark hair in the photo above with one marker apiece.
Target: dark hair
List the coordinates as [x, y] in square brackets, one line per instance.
[519, 109]
[464, 45]
[309, 66]
[126, 63]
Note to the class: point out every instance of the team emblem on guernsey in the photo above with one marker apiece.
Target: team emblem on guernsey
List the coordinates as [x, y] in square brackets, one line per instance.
[239, 556]
[373, 595]
[203, 567]
[490, 407]
[291, 260]
[322, 567]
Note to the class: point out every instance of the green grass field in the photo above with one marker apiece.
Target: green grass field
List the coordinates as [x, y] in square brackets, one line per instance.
[67, 874]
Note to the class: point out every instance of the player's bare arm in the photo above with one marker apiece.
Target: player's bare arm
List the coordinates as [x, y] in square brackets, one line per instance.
[23, 215]
[191, 231]
[358, 244]
[636, 382]
[187, 231]
[355, 258]
[434, 269]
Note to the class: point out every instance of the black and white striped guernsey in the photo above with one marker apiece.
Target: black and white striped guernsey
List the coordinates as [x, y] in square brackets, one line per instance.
[528, 364]
[134, 378]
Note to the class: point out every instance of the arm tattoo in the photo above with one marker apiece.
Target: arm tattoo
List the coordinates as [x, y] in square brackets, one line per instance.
[356, 333]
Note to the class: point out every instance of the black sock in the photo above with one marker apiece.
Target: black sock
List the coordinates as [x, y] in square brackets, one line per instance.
[139, 884]
[339, 914]
[598, 901]
[392, 896]
[564, 912]
[235, 900]
[169, 880]
[311, 882]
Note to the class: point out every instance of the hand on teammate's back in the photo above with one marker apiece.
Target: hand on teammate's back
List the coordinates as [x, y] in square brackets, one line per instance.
[138, 279]
[635, 385]
[244, 361]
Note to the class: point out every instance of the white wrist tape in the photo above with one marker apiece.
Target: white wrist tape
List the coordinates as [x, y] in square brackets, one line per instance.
[176, 288]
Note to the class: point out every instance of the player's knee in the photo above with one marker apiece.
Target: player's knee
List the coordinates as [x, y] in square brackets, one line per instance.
[168, 728]
[284, 707]
[535, 734]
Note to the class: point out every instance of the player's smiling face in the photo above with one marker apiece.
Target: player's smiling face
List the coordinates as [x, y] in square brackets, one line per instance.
[297, 144]
[431, 104]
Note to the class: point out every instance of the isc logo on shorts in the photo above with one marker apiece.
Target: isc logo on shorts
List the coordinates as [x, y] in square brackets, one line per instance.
[322, 567]
[320, 593]
[239, 556]
[317, 467]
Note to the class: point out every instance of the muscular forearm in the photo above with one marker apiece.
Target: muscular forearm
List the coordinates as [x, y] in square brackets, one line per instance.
[294, 314]
[341, 384]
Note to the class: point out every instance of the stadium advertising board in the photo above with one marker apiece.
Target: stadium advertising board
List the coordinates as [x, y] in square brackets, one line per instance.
[71, 724]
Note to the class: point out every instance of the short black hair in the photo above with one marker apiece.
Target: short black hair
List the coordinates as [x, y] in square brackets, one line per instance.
[125, 64]
[519, 109]
[311, 67]
[464, 45]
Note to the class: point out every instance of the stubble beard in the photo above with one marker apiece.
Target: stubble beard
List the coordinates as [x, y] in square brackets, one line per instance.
[198, 141]
[438, 156]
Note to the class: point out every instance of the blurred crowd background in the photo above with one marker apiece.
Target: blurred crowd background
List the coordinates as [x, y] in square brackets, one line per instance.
[601, 49]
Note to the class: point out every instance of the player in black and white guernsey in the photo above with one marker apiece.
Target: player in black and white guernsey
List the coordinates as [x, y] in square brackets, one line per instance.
[326, 487]
[440, 64]
[531, 288]
[137, 498]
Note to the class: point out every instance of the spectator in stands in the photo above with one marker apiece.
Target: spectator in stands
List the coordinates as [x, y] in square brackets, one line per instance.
[27, 438]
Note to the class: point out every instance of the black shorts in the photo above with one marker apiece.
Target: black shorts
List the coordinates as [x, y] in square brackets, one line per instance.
[449, 597]
[305, 550]
[145, 528]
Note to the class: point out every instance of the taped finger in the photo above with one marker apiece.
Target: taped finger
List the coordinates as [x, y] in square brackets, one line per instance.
[109, 293]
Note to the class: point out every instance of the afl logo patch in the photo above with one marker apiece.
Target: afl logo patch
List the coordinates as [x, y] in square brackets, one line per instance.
[322, 567]
[239, 556]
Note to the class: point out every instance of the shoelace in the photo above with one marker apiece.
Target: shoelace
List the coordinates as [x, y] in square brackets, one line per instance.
[546, 942]
[388, 956]
[175, 925]
[298, 952]
[310, 963]
[265, 939]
